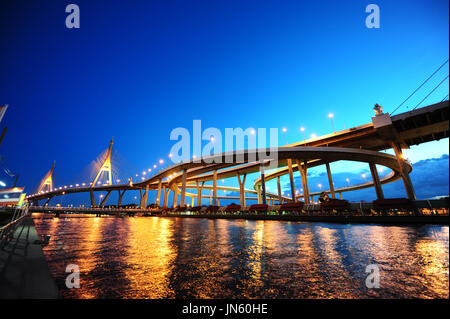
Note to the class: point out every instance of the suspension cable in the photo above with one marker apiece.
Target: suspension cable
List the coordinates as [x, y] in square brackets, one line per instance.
[430, 92]
[419, 87]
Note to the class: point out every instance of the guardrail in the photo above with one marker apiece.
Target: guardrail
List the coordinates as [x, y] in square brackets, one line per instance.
[7, 231]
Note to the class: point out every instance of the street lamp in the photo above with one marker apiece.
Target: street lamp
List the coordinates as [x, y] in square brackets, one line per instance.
[331, 115]
[302, 129]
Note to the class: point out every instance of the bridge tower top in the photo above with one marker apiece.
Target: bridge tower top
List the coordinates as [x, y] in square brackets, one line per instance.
[47, 182]
[105, 168]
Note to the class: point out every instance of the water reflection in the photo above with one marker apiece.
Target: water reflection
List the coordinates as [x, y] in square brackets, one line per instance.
[202, 258]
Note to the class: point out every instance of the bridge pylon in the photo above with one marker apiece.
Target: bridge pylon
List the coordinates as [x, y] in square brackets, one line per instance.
[46, 184]
[105, 169]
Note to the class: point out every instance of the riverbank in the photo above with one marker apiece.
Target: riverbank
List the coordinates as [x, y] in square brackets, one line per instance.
[24, 271]
[429, 219]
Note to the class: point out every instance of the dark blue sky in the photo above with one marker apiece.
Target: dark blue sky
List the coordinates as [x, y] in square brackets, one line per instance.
[136, 70]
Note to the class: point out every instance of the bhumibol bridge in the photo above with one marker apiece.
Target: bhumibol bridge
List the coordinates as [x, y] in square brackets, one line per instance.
[363, 143]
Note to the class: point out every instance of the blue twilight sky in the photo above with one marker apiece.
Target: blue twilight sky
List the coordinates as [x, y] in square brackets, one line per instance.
[136, 70]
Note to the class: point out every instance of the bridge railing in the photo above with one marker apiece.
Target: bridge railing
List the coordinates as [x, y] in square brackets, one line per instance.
[7, 231]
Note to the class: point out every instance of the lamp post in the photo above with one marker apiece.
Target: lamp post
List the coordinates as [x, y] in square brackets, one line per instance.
[284, 133]
[302, 129]
[331, 115]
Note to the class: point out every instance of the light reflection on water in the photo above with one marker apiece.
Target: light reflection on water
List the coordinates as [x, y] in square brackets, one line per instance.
[154, 257]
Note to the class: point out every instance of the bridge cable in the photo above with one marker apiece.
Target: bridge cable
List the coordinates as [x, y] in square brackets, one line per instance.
[419, 87]
[430, 92]
[444, 98]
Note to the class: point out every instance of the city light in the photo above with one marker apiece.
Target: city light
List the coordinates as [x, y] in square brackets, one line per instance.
[161, 161]
[253, 132]
[363, 175]
[284, 129]
[313, 135]
[331, 115]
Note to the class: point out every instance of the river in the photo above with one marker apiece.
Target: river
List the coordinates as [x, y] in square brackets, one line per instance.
[162, 257]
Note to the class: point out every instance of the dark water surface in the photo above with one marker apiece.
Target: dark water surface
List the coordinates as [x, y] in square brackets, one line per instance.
[154, 257]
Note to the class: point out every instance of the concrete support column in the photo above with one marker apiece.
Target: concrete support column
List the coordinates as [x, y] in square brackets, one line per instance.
[143, 203]
[403, 170]
[242, 188]
[303, 168]
[215, 188]
[199, 193]
[166, 197]
[280, 198]
[340, 195]
[263, 184]
[376, 181]
[192, 201]
[183, 188]
[102, 204]
[158, 195]
[93, 203]
[175, 196]
[291, 179]
[119, 201]
[258, 189]
[330, 180]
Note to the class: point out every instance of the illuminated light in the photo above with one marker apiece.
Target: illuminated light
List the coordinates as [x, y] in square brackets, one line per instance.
[70, 185]
[347, 180]
[302, 129]
[161, 161]
[380, 170]
[330, 115]
[137, 175]
[212, 138]
[149, 170]
[101, 195]
[284, 129]
[77, 185]
[193, 156]
[320, 185]
[118, 181]
[142, 178]
[363, 175]
[253, 132]
[2, 184]
[154, 166]
[404, 156]
[65, 186]
[144, 172]
[99, 182]
[313, 135]
[83, 184]
[170, 154]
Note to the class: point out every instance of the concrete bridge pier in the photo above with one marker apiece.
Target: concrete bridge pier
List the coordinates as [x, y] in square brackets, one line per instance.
[403, 170]
[291, 179]
[119, 201]
[199, 193]
[166, 197]
[263, 184]
[103, 202]
[303, 168]
[183, 188]
[175, 196]
[158, 194]
[376, 180]
[215, 188]
[242, 188]
[280, 198]
[330, 180]
[93, 203]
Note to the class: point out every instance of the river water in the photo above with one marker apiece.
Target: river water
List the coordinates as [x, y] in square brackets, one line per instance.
[157, 257]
